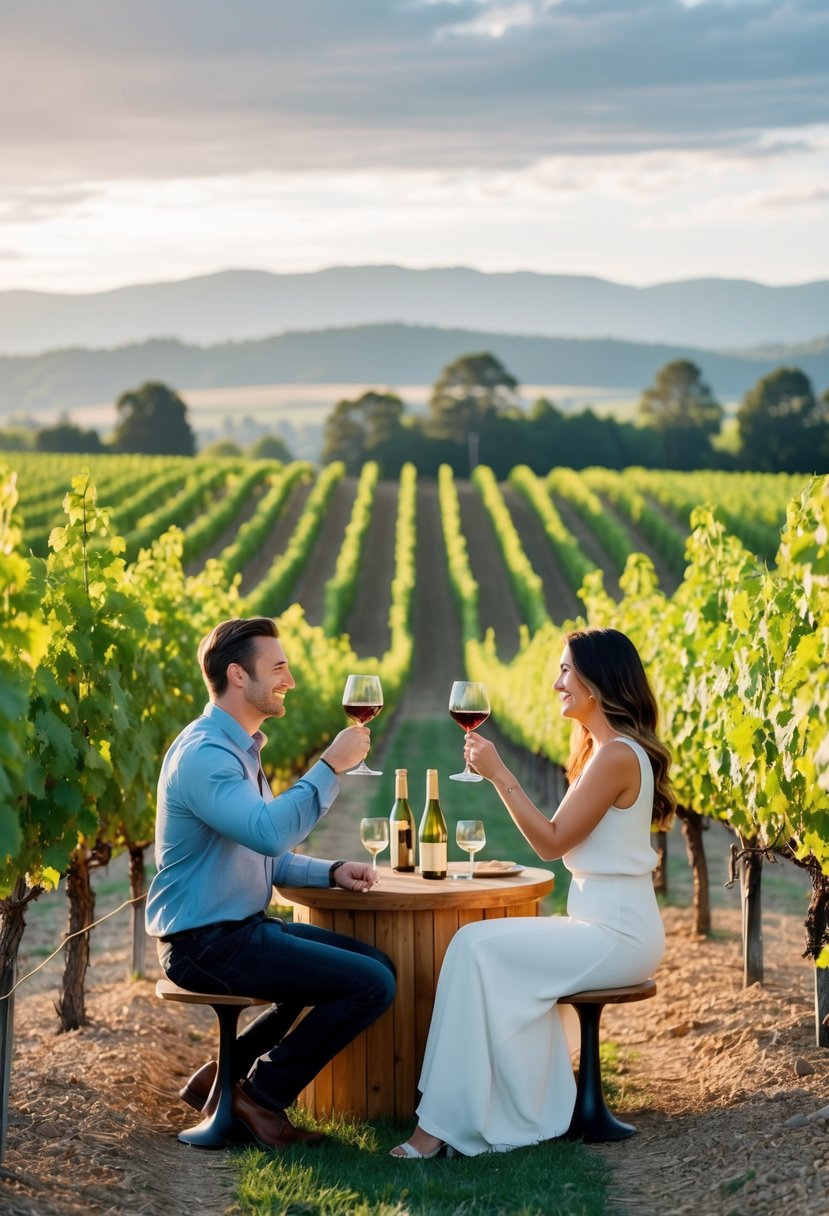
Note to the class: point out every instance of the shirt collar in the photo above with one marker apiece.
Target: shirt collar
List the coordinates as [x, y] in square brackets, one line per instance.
[236, 732]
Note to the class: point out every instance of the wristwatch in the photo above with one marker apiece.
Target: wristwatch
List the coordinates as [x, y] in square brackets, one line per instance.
[335, 865]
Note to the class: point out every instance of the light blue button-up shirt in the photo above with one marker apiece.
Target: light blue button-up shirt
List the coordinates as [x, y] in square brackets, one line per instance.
[221, 844]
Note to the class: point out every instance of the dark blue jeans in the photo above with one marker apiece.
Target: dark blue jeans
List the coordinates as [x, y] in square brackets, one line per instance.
[347, 983]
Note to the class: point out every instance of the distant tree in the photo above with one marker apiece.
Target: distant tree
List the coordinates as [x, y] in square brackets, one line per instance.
[360, 430]
[783, 427]
[153, 419]
[64, 436]
[270, 447]
[468, 394]
[680, 406]
[503, 441]
[15, 440]
[221, 449]
[581, 439]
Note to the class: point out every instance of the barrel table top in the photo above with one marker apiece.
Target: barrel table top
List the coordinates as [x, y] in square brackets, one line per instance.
[409, 892]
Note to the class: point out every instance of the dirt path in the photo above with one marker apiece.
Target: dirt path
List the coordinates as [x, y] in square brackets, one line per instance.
[438, 653]
[589, 543]
[497, 607]
[277, 538]
[562, 602]
[309, 589]
[368, 621]
[436, 649]
[228, 534]
[668, 579]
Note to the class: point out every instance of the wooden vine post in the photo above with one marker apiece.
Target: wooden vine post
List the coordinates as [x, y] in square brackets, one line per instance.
[748, 861]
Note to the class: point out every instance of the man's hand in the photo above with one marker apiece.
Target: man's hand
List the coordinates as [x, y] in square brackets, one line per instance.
[355, 876]
[348, 748]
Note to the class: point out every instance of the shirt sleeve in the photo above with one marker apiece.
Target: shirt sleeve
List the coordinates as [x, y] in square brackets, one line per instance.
[297, 870]
[227, 800]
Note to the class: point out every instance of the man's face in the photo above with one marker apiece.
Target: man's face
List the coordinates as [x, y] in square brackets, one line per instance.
[265, 689]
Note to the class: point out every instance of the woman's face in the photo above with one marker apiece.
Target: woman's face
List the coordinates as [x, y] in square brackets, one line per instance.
[575, 698]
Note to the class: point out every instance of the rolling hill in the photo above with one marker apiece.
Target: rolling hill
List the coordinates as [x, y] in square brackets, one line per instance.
[243, 304]
[384, 355]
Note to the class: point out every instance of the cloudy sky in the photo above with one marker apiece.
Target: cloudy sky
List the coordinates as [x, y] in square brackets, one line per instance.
[637, 140]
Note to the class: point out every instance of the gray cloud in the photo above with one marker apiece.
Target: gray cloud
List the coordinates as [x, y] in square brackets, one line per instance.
[27, 206]
[178, 87]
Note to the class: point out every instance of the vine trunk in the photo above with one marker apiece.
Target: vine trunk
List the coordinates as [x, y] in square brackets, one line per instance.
[12, 924]
[137, 891]
[817, 936]
[80, 897]
[693, 826]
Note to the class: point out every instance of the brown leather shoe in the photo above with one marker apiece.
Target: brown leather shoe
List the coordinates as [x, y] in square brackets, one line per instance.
[196, 1091]
[270, 1128]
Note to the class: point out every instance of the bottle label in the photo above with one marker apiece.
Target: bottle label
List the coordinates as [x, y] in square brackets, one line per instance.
[402, 845]
[432, 858]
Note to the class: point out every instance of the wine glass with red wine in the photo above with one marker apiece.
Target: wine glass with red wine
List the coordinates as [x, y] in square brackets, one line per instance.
[362, 701]
[469, 706]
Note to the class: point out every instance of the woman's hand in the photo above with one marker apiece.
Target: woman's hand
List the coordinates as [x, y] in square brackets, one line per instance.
[483, 757]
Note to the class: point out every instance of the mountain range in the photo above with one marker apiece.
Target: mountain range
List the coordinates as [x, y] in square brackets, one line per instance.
[237, 305]
[380, 355]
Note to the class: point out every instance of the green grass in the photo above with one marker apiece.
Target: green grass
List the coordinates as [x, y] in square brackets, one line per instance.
[432, 743]
[353, 1175]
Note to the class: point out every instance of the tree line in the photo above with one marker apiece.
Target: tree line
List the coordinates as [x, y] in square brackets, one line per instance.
[475, 415]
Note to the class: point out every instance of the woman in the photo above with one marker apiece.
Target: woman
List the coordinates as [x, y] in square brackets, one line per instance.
[497, 1072]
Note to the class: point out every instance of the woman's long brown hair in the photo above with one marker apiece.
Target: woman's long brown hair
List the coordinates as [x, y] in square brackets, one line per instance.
[608, 663]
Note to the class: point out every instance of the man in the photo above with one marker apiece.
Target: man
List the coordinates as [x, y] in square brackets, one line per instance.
[222, 842]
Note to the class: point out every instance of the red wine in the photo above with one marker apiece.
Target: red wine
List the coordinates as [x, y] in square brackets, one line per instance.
[362, 713]
[469, 719]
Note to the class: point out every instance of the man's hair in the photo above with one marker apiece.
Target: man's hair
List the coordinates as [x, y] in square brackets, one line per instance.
[232, 641]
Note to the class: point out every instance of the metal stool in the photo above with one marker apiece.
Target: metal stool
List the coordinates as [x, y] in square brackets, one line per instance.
[592, 1121]
[216, 1130]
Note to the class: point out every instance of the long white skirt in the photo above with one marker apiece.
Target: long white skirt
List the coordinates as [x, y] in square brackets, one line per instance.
[497, 1072]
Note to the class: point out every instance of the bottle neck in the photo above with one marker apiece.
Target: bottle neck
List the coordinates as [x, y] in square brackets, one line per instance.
[432, 785]
[401, 785]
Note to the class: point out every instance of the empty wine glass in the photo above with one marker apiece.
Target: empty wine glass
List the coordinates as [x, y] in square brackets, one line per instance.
[362, 701]
[470, 836]
[469, 706]
[374, 833]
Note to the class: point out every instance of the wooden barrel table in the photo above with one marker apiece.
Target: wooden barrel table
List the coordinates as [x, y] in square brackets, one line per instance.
[412, 920]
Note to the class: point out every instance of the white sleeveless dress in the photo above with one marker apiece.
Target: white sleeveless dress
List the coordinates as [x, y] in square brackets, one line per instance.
[497, 1072]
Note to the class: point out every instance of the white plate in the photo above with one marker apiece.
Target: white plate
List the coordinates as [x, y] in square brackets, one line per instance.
[483, 871]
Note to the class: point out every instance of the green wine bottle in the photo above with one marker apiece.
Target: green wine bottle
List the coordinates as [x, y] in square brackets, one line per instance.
[433, 836]
[402, 830]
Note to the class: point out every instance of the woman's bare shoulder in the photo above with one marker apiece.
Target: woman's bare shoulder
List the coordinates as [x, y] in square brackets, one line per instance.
[614, 760]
